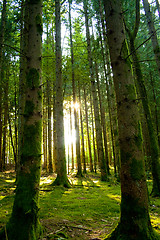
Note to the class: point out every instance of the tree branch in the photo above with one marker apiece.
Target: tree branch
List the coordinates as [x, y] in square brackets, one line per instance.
[141, 44]
[16, 49]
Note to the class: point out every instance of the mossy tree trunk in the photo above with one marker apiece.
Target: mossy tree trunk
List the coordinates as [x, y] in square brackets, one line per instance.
[24, 222]
[153, 34]
[61, 158]
[134, 220]
[22, 76]
[101, 158]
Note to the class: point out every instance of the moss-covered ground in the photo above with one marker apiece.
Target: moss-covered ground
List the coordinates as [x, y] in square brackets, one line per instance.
[88, 210]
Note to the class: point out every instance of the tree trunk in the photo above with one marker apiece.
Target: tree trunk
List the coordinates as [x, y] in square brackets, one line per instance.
[94, 140]
[100, 151]
[45, 160]
[24, 222]
[78, 155]
[61, 159]
[134, 221]
[5, 107]
[22, 76]
[111, 98]
[15, 149]
[88, 133]
[50, 162]
[152, 31]
[82, 133]
[54, 129]
[156, 109]
[152, 136]
[71, 131]
[103, 120]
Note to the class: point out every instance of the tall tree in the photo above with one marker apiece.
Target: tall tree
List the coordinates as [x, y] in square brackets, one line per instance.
[88, 132]
[100, 150]
[134, 221]
[61, 159]
[24, 222]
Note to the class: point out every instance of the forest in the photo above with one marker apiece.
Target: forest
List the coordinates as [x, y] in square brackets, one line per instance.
[79, 119]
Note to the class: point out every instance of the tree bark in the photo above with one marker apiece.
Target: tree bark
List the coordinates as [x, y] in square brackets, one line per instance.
[24, 222]
[88, 132]
[22, 77]
[134, 220]
[94, 140]
[82, 133]
[5, 107]
[61, 178]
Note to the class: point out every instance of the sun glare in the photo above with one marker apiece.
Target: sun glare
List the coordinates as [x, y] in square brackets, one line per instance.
[75, 105]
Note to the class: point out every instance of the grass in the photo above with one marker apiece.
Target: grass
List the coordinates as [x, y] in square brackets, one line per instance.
[88, 210]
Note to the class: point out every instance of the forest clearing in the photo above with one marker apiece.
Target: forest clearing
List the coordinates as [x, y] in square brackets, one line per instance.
[88, 210]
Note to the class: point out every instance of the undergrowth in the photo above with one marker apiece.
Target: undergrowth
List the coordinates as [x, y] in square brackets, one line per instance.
[88, 210]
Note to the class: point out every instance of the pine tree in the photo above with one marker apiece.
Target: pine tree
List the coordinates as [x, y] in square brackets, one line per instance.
[134, 220]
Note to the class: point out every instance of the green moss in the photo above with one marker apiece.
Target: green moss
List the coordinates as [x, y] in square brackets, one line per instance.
[29, 108]
[39, 94]
[131, 91]
[39, 24]
[33, 78]
[137, 169]
[32, 143]
[126, 156]
[125, 53]
[138, 138]
[134, 222]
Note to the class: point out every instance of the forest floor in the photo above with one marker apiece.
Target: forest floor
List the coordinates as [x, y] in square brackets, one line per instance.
[88, 210]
